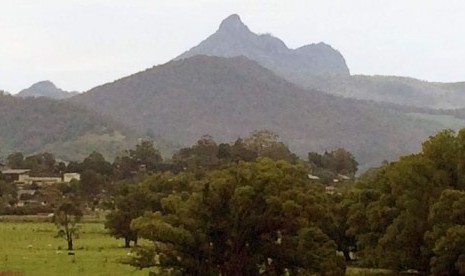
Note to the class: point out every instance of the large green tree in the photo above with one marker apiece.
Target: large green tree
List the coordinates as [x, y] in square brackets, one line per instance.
[447, 236]
[337, 226]
[266, 143]
[42, 164]
[390, 215]
[145, 154]
[409, 214]
[97, 163]
[8, 194]
[91, 183]
[144, 158]
[16, 160]
[204, 155]
[246, 219]
[131, 201]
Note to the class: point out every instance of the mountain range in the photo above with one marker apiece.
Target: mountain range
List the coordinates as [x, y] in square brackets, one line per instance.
[392, 89]
[230, 97]
[319, 66]
[235, 82]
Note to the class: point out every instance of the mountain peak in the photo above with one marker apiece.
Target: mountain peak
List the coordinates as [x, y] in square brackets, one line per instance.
[44, 84]
[45, 89]
[233, 23]
[234, 38]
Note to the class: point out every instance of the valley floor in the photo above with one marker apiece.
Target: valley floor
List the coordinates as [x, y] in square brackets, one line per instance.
[30, 248]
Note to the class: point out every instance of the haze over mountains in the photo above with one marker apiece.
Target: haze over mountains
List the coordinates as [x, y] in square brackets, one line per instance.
[392, 89]
[230, 97]
[233, 38]
[71, 132]
[235, 82]
[45, 89]
[318, 66]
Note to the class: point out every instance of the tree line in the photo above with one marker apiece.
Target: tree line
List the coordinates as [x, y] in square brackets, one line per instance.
[250, 207]
[263, 215]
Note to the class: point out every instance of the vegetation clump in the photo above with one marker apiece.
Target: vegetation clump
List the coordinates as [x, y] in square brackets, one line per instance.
[253, 207]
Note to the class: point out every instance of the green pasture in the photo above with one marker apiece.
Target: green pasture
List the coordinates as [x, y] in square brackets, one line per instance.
[356, 271]
[30, 248]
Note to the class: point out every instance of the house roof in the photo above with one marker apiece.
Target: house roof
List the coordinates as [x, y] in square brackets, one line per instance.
[314, 177]
[344, 177]
[15, 171]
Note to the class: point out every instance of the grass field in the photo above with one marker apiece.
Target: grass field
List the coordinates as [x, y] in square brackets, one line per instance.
[30, 248]
[356, 271]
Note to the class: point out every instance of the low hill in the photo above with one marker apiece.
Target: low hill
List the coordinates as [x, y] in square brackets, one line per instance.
[45, 89]
[229, 97]
[39, 124]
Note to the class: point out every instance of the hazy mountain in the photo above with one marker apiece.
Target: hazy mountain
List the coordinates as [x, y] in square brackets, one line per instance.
[184, 99]
[318, 66]
[32, 125]
[233, 38]
[391, 89]
[45, 89]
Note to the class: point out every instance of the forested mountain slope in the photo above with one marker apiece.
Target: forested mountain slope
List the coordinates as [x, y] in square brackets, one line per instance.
[391, 89]
[35, 124]
[229, 97]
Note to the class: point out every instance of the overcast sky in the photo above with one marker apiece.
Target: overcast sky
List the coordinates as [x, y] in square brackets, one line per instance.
[79, 44]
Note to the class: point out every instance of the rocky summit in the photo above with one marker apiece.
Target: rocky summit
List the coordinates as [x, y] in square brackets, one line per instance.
[319, 66]
[233, 38]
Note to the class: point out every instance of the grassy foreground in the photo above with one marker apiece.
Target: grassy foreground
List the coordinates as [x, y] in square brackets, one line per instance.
[30, 248]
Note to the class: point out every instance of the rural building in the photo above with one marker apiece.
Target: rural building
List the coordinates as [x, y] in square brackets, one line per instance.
[22, 177]
[343, 177]
[40, 181]
[26, 192]
[14, 175]
[313, 177]
[67, 177]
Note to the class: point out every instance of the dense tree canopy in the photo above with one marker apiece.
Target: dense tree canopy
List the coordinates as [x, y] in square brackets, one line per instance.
[144, 158]
[409, 214]
[330, 165]
[241, 220]
[97, 163]
[8, 194]
[206, 154]
[39, 164]
[131, 201]
[252, 207]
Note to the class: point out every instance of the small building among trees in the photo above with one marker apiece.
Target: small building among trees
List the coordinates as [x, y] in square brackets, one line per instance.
[15, 175]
